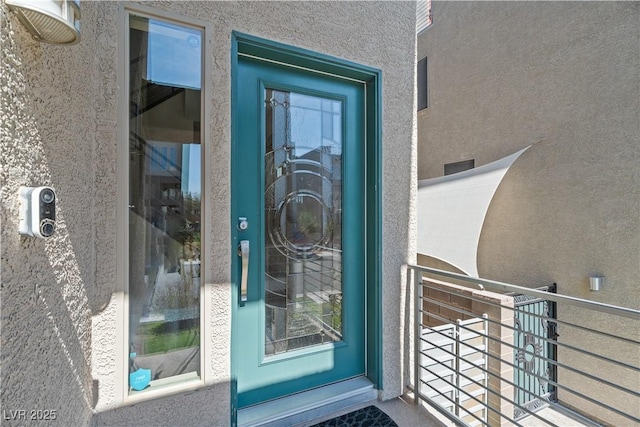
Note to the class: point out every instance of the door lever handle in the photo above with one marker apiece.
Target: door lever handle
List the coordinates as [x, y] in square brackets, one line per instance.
[243, 253]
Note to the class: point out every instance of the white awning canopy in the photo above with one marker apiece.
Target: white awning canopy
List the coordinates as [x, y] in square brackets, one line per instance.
[452, 209]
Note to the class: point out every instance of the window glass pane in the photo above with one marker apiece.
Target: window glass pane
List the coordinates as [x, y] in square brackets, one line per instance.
[303, 205]
[422, 84]
[173, 55]
[451, 168]
[164, 203]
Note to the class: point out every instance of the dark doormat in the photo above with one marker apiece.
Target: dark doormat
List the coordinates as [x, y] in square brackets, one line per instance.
[370, 416]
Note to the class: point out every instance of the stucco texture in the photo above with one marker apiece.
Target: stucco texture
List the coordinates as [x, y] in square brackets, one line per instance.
[562, 76]
[47, 138]
[61, 298]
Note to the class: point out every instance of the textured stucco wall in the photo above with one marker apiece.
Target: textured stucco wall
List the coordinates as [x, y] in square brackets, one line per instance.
[47, 122]
[562, 76]
[60, 123]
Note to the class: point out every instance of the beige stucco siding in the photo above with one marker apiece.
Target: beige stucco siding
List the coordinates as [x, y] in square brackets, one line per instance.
[61, 298]
[562, 76]
[48, 138]
[506, 75]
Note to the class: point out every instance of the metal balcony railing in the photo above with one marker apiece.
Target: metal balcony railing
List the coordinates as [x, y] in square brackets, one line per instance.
[493, 353]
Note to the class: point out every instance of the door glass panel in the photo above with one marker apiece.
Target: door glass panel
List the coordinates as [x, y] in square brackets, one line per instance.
[303, 221]
[164, 203]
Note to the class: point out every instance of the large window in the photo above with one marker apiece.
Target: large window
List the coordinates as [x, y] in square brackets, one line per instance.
[165, 74]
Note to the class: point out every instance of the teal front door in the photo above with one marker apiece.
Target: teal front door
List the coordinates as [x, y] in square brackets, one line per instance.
[298, 206]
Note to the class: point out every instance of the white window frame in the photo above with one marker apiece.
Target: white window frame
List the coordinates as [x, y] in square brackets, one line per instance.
[122, 210]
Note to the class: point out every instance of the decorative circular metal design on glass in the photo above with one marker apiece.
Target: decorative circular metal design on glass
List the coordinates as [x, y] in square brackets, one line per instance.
[303, 220]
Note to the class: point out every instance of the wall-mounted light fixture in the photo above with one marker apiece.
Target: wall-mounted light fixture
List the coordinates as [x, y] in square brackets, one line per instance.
[50, 21]
[596, 283]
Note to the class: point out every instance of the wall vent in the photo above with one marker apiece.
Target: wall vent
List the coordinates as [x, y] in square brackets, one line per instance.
[50, 21]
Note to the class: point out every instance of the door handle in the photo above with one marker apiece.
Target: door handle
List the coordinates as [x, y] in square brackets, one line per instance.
[243, 253]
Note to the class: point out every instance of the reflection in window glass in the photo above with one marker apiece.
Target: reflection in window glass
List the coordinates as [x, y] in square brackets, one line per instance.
[303, 221]
[164, 203]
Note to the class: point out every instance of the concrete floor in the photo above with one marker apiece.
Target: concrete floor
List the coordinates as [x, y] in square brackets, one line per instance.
[406, 414]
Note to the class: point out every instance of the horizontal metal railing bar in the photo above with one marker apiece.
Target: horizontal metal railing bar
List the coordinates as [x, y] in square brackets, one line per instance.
[464, 392]
[496, 393]
[454, 404]
[504, 379]
[547, 340]
[549, 381]
[419, 396]
[478, 350]
[470, 352]
[554, 342]
[546, 359]
[507, 287]
[597, 332]
[558, 321]
[418, 279]
[489, 372]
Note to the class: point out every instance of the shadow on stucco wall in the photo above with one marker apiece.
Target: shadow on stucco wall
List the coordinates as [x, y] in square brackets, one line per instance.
[46, 327]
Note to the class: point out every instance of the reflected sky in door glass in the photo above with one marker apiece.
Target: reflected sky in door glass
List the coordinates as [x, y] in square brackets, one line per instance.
[315, 122]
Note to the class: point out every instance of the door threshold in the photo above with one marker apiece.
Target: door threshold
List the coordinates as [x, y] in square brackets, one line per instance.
[308, 405]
